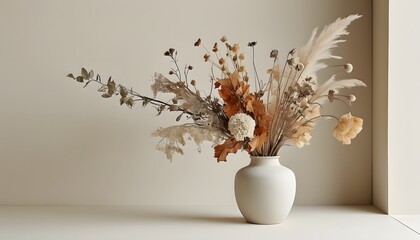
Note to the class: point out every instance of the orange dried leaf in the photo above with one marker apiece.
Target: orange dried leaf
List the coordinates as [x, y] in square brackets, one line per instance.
[257, 142]
[234, 78]
[229, 146]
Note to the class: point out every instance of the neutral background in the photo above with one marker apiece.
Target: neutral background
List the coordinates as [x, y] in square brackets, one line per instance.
[403, 154]
[61, 144]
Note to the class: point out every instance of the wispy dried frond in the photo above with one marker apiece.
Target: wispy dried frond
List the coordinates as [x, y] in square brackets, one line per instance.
[335, 85]
[173, 137]
[319, 48]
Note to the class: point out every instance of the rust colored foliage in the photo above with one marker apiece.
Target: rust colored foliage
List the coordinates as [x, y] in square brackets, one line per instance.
[237, 99]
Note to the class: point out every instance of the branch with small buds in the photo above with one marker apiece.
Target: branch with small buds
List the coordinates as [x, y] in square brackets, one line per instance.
[128, 96]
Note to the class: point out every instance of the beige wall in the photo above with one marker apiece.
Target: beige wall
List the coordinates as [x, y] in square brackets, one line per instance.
[380, 104]
[403, 144]
[61, 144]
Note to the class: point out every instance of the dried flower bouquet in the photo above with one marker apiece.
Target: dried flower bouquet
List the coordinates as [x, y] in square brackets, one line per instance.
[281, 110]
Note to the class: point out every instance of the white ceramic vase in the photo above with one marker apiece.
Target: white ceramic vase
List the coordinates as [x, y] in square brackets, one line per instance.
[265, 190]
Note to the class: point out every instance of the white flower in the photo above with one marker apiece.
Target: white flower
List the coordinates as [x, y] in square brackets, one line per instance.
[241, 126]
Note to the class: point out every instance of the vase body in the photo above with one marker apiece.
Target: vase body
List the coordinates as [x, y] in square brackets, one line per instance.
[265, 190]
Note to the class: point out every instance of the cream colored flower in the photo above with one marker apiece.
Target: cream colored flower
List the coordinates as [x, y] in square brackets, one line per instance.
[304, 102]
[241, 126]
[347, 128]
[312, 112]
[302, 136]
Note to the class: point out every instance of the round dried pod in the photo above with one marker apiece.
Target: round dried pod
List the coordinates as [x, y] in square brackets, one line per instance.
[331, 95]
[292, 52]
[235, 47]
[228, 46]
[215, 47]
[241, 56]
[299, 67]
[206, 57]
[274, 53]
[222, 61]
[293, 62]
[223, 39]
[235, 57]
[197, 43]
[351, 98]
[252, 44]
[348, 67]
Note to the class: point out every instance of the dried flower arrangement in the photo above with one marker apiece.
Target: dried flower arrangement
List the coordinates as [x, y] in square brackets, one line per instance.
[282, 110]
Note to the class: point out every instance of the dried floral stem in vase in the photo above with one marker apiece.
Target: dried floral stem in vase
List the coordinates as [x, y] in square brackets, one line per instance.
[283, 109]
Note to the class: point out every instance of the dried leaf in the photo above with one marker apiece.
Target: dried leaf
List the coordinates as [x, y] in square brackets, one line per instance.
[129, 102]
[234, 78]
[160, 109]
[70, 75]
[98, 78]
[179, 117]
[112, 87]
[123, 91]
[257, 142]
[85, 74]
[229, 146]
[91, 74]
[232, 105]
[106, 95]
[146, 101]
[79, 79]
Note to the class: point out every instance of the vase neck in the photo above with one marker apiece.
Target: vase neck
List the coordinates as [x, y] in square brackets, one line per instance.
[264, 160]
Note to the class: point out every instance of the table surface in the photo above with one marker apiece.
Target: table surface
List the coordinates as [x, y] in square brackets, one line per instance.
[304, 222]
